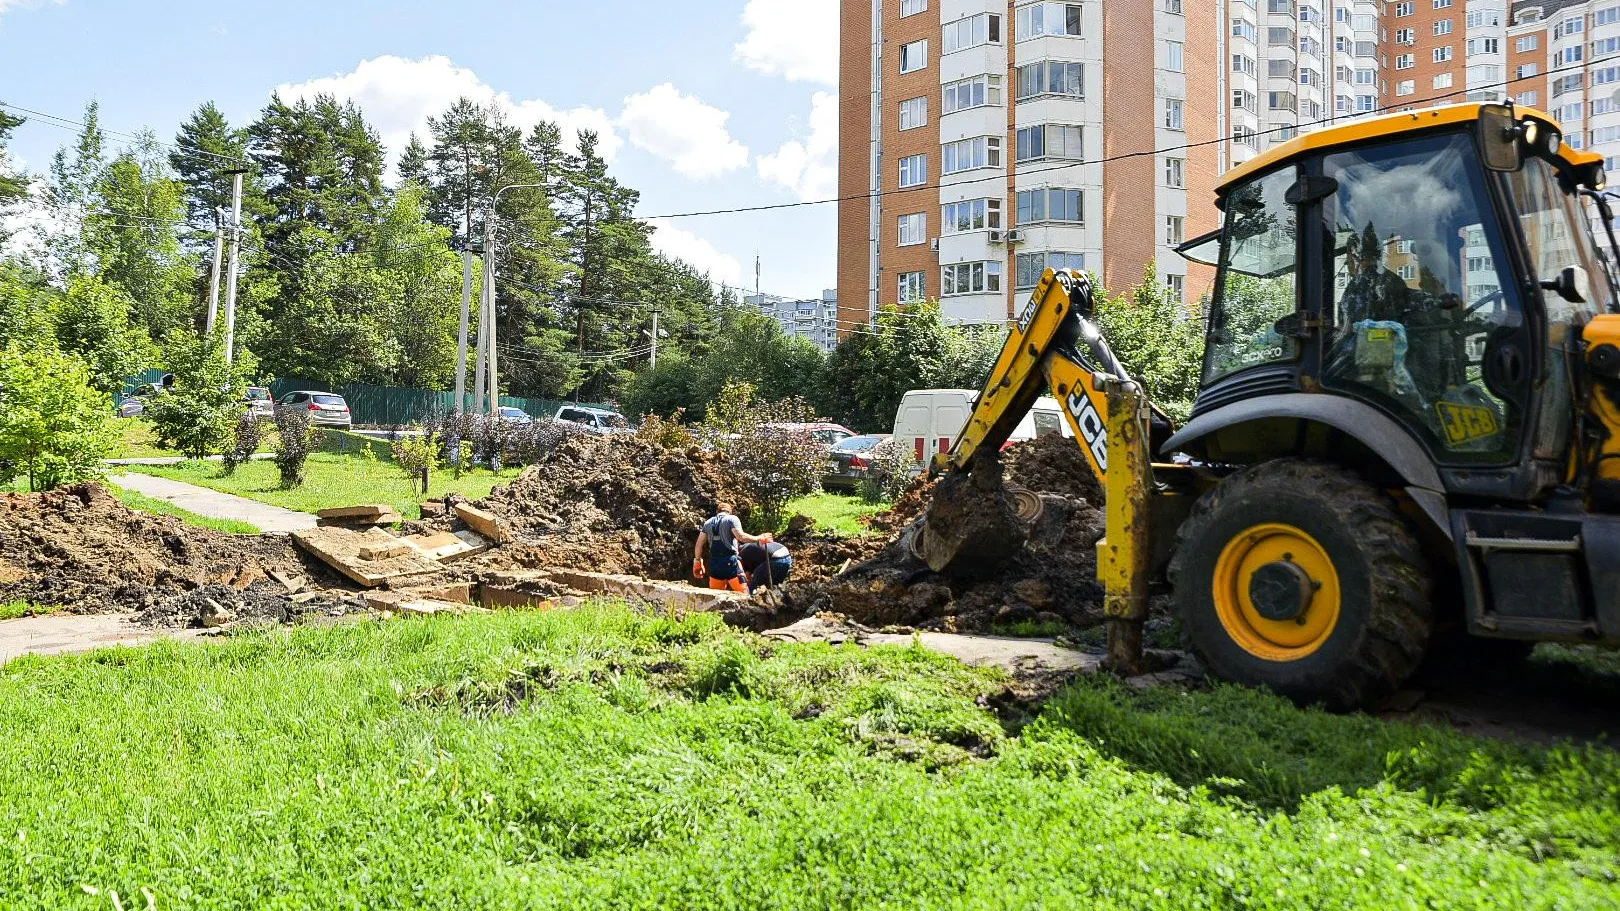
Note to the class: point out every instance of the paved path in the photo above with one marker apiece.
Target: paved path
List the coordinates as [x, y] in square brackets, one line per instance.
[63, 634]
[216, 505]
[1011, 655]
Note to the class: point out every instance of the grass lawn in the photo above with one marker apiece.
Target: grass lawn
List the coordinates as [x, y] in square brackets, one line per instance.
[144, 503]
[331, 481]
[603, 759]
[836, 512]
[137, 440]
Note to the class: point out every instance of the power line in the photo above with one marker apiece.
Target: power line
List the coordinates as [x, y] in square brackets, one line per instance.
[1002, 177]
[68, 123]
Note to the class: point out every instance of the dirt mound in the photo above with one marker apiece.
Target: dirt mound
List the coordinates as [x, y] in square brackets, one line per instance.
[820, 555]
[613, 504]
[907, 508]
[1053, 464]
[79, 548]
[1052, 579]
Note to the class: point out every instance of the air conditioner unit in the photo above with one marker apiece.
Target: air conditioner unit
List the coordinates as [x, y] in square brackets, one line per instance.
[997, 237]
[1015, 236]
[934, 245]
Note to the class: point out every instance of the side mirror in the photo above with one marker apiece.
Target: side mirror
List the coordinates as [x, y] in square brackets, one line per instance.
[1499, 138]
[1572, 284]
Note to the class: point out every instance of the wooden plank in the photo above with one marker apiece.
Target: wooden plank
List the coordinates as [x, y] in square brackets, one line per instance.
[339, 548]
[356, 512]
[389, 518]
[383, 551]
[485, 523]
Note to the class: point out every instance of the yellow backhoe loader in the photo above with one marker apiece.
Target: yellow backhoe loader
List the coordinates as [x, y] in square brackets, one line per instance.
[1408, 421]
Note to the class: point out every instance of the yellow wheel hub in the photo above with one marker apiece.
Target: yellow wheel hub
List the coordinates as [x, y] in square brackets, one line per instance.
[1277, 593]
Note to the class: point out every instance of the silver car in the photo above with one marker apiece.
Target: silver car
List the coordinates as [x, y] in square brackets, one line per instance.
[326, 409]
[258, 403]
[595, 420]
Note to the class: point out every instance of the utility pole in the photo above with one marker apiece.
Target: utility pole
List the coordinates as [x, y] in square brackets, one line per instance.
[490, 241]
[653, 361]
[483, 332]
[466, 317]
[213, 284]
[230, 276]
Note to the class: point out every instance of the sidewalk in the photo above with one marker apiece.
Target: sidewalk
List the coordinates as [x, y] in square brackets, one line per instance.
[216, 505]
[61, 634]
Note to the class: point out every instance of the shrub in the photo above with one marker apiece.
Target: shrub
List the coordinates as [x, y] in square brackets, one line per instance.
[530, 444]
[55, 428]
[245, 442]
[670, 433]
[892, 467]
[416, 457]
[198, 412]
[296, 440]
[767, 461]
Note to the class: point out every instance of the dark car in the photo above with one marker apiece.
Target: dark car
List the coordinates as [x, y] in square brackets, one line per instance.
[850, 461]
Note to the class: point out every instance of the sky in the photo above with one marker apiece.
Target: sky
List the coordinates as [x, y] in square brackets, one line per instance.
[702, 105]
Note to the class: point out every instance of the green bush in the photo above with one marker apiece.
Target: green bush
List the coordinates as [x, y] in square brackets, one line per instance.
[245, 440]
[198, 413]
[891, 469]
[416, 457]
[765, 462]
[55, 428]
[296, 438]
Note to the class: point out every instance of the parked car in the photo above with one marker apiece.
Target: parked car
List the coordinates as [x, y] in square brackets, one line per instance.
[930, 419]
[850, 461]
[134, 404]
[327, 409]
[260, 404]
[828, 435]
[596, 420]
[510, 415]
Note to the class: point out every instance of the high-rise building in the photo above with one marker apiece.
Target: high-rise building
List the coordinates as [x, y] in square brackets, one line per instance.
[814, 320]
[982, 141]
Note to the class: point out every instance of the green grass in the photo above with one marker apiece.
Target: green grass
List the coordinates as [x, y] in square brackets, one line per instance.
[12, 610]
[331, 481]
[137, 440]
[834, 512]
[602, 759]
[144, 503]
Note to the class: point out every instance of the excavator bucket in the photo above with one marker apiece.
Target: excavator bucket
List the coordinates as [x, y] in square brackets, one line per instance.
[975, 522]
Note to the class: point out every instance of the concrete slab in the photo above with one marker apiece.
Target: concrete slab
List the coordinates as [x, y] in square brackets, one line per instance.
[1016, 656]
[62, 634]
[216, 505]
[536, 588]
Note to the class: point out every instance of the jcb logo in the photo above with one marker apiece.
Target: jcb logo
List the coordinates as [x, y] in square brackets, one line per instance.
[1091, 425]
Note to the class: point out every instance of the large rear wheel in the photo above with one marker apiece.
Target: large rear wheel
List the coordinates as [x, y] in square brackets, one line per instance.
[1304, 578]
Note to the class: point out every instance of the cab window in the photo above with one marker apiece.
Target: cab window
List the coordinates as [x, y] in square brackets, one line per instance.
[1258, 288]
[1420, 299]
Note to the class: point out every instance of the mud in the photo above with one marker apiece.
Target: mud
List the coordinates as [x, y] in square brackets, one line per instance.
[224, 606]
[1053, 464]
[81, 549]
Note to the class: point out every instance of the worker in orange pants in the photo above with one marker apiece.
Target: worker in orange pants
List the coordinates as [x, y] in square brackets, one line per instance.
[715, 554]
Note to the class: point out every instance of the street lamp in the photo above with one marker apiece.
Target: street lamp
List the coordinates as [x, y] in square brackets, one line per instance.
[486, 322]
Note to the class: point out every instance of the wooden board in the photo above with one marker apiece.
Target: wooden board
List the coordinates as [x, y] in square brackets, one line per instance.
[356, 512]
[485, 523]
[339, 548]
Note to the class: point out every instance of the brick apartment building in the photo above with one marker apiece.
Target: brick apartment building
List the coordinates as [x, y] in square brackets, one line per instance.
[986, 140]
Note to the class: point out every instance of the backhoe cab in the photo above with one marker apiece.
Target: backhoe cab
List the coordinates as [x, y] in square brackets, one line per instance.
[1409, 416]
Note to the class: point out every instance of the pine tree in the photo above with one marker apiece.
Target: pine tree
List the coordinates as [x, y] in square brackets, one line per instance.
[13, 187]
[206, 149]
[129, 233]
[74, 174]
[413, 163]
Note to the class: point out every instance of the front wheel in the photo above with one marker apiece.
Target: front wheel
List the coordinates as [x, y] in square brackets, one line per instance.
[1304, 578]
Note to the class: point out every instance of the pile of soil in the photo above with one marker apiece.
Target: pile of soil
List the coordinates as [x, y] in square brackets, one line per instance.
[818, 556]
[611, 504]
[1052, 579]
[81, 549]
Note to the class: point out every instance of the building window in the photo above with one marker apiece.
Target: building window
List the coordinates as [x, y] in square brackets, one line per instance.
[1177, 286]
[1366, 103]
[1039, 19]
[1243, 28]
[1605, 46]
[1173, 56]
[1525, 70]
[1406, 87]
[913, 113]
[1051, 140]
[1573, 26]
[985, 28]
[1051, 204]
[1243, 63]
[1405, 61]
[913, 229]
[1366, 77]
[1173, 226]
[913, 287]
[1404, 8]
[967, 154]
[1405, 36]
[1527, 43]
[1570, 112]
[1281, 67]
[1529, 99]
[977, 92]
[1606, 16]
[1606, 75]
[1568, 83]
[1483, 46]
[1173, 7]
[1175, 172]
[972, 215]
[1599, 105]
[970, 278]
[1442, 81]
[1442, 54]
[913, 171]
[1172, 114]
[1051, 77]
[1442, 27]
[912, 7]
[1281, 101]
[913, 56]
[1442, 4]
[1031, 266]
[1569, 55]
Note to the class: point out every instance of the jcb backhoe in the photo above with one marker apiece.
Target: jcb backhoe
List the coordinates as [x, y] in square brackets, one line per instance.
[1409, 416]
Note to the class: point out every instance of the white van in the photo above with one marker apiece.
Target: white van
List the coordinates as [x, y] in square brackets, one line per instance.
[928, 420]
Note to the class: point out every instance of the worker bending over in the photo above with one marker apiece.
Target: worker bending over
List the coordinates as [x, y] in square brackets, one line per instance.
[716, 556]
[767, 564]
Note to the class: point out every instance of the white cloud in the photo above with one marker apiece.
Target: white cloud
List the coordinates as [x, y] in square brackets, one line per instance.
[399, 95]
[27, 4]
[682, 244]
[795, 39]
[684, 131]
[809, 168]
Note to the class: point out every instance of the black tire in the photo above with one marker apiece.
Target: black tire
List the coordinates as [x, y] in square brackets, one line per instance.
[1384, 610]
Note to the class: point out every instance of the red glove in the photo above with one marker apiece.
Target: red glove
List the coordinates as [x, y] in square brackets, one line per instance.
[697, 569]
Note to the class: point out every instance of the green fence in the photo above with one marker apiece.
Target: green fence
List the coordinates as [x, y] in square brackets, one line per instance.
[387, 406]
